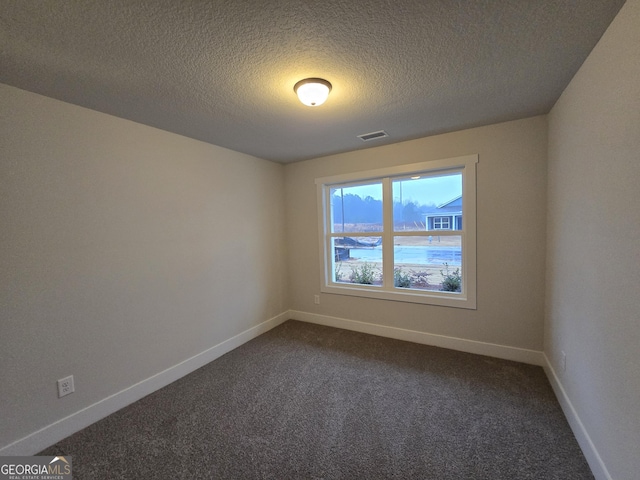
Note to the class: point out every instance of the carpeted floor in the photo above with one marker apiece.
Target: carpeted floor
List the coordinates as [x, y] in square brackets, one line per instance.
[308, 402]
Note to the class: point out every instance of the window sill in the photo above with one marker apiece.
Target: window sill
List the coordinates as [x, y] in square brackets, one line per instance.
[456, 300]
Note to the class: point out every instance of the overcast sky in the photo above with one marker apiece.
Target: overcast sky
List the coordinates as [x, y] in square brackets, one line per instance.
[425, 191]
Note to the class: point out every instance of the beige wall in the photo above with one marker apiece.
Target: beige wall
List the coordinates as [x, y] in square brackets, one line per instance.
[593, 306]
[511, 183]
[119, 258]
[120, 253]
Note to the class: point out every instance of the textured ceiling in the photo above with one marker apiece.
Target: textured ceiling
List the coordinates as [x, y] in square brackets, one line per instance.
[223, 71]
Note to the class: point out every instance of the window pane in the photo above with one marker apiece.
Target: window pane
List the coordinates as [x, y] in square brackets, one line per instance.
[356, 208]
[357, 260]
[428, 263]
[428, 203]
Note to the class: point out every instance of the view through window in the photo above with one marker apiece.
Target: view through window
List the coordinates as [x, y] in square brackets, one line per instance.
[404, 234]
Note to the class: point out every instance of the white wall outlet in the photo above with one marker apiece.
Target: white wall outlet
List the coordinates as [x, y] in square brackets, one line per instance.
[563, 361]
[316, 299]
[65, 386]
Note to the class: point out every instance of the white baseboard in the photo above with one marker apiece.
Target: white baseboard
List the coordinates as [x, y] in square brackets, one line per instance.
[64, 427]
[532, 357]
[598, 468]
[523, 355]
[75, 422]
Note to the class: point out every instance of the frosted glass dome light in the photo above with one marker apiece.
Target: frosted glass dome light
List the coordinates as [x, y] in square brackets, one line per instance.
[312, 91]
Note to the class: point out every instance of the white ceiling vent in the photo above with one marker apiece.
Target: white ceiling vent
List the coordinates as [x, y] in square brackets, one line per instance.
[365, 137]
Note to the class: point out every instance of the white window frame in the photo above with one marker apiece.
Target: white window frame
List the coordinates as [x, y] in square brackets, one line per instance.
[464, 299]
[441, 220]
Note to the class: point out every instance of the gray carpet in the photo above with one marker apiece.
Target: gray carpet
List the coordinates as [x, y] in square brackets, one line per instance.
[308, 402]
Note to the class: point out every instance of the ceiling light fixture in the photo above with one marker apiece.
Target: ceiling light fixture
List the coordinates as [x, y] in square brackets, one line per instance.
[312, 91]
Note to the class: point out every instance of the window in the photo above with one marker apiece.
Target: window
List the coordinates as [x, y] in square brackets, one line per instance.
[405, 233]
[441, 223]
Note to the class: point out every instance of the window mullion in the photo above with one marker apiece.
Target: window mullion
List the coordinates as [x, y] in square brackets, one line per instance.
[427, 233]
[387, 234]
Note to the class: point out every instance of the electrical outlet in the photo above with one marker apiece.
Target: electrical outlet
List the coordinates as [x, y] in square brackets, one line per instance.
[563, 361]
[65, 386]
[316, 299]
